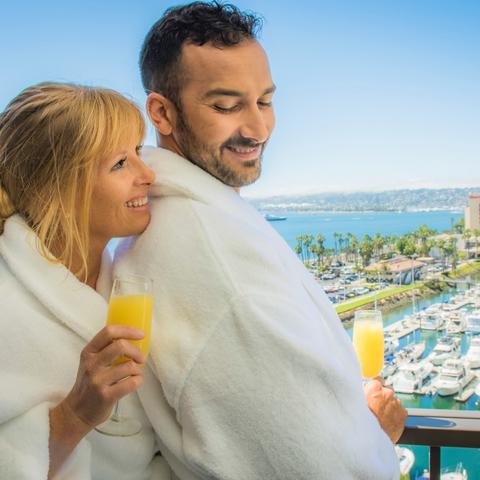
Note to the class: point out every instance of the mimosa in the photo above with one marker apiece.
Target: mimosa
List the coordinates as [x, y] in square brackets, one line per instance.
[133, 311]
[368, 344]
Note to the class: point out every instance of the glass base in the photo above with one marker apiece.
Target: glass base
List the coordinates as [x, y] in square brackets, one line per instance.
[117, 426]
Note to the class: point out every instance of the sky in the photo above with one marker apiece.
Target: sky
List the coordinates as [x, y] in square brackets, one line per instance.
[371, 94]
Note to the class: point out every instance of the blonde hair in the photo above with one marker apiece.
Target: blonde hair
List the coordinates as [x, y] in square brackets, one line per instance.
[52, 137]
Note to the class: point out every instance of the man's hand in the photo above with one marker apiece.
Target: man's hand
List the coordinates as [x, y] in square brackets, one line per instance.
[389, 411]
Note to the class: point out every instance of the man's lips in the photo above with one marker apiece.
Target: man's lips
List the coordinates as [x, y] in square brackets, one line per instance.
[246, 153]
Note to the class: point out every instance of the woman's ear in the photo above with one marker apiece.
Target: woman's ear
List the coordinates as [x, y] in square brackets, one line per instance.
[161, 112]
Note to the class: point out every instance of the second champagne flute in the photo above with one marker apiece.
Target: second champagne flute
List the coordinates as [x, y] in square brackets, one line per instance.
[368, 342]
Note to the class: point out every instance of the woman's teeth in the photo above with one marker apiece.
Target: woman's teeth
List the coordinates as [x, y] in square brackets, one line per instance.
[138, 202]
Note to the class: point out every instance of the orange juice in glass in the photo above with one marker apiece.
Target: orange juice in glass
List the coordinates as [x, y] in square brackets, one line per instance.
[131, 304]
[368, 341]
[133, 310]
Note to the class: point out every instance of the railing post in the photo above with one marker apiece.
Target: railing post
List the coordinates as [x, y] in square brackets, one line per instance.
[434, 463]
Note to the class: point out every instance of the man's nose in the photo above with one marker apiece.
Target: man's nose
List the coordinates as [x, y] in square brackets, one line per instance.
[256, 125]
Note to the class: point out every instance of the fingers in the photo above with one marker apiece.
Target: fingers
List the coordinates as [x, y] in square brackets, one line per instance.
[118, 373]
[118, 349]
[126, 386]
[110, 333]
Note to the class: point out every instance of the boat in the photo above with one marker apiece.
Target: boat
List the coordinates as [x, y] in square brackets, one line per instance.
[274, 218]
[389, 367]
[456, 323]
[406, 459]
[473, 322]
[454, 376]
[459, 474]
[447, 347]
[410, 352]
[391, 344]
[411, 377]
[431, 320]
[473, 353]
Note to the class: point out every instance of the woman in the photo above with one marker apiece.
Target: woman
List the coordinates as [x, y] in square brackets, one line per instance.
[70, 180]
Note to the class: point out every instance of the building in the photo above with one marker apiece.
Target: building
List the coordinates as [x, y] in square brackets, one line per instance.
[396, 270]
[472, 212]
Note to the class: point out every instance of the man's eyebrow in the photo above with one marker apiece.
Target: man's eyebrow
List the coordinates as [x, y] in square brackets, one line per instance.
[217, 92]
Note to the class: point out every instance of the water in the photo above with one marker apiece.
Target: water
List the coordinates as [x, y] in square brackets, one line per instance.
[361, 223]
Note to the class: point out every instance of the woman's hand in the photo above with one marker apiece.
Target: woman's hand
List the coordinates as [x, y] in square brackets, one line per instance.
[98, 386]
[100, 383]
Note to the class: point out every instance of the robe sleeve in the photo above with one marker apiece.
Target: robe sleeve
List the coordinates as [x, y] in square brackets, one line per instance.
[24, 453]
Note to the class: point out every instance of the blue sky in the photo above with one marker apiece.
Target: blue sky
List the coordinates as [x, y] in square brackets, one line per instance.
[371, 95]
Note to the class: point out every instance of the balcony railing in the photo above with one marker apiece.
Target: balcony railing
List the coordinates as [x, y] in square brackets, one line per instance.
[441, 428]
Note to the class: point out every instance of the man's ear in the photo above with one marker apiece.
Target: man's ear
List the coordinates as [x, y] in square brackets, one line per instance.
[161, 112]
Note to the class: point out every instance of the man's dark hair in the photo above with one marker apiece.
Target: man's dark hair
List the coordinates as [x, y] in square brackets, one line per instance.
[222, 25]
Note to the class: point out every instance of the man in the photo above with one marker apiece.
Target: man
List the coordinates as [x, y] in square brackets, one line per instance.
[257, 377]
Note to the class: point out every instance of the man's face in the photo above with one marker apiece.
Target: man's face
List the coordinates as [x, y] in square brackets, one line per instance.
[226, 113]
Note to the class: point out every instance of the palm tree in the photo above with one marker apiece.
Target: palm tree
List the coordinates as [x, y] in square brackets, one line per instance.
[476, 234]
[378, 244]
[335, 238]
[467, 234]
[366, 250]
[299, 249]
[320, 248]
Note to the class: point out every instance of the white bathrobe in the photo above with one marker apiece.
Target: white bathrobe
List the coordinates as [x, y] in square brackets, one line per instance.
[257, 376]
[46, 318]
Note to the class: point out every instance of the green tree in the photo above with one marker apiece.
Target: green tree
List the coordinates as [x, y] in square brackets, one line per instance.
[476, 234]
[299, 247]
[459, 227]
[378, 245]
[366, 250]
[467, 234]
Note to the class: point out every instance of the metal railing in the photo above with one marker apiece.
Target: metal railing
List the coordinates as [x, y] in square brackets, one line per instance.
[441, 428]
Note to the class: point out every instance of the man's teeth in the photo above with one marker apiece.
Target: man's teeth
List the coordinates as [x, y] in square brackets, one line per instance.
[138, 202]
[244, 150]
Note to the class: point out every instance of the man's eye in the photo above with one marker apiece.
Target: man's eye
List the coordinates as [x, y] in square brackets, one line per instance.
[265, 104]
[120, 164]
[219, 108]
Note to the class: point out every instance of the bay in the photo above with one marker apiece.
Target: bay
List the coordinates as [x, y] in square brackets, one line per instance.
[361, 223]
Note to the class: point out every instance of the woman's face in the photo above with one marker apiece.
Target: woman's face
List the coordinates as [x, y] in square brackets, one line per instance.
[119, 201]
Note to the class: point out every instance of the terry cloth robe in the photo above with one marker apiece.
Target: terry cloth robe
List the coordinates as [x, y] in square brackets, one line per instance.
[257, 376]
[47, 317]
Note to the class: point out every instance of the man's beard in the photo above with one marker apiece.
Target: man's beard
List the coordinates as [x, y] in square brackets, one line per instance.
[208, 158]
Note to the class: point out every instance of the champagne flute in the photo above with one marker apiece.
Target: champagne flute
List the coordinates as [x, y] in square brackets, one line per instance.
[368, 342]
[131, 304]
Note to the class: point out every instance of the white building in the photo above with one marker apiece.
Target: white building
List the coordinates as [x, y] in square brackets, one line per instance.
[472, 212]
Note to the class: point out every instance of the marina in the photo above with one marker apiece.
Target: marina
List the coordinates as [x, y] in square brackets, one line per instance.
[409, 344]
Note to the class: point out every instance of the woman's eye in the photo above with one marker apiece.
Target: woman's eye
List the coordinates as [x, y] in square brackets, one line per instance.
[119, 164]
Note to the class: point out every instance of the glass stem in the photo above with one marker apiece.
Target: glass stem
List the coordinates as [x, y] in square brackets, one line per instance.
[115, 416]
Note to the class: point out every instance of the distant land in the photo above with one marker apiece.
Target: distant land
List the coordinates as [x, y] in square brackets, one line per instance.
[414, 200]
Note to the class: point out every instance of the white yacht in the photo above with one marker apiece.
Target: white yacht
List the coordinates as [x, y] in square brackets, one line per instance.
[410, 352]
[473, 352]
[447, 347]
[456, 323]
[389, 368]
[431, 320]
[391, 344]
[473, 322]
[454, 375]
[411, 377]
